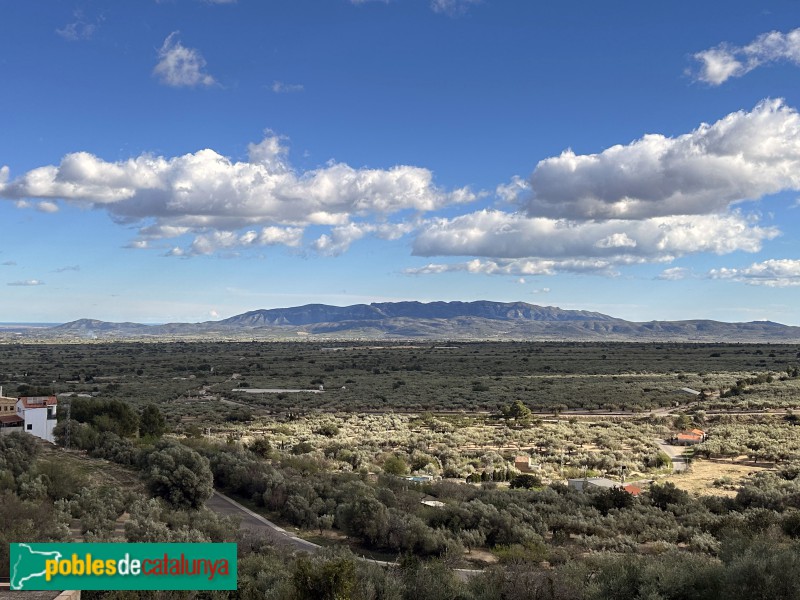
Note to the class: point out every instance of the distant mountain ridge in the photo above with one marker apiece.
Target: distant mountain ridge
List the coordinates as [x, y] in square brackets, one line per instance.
[479, 320]
[323, 313]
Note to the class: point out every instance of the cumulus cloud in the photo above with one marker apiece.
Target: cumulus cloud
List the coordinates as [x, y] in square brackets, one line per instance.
[205, 192]
[340, 238]
[523, 266]
[743, 156]
[497, 234]
[512, 191]
[137, 245]
[26, 283]
[47, 207]
[281, 87]
[674, 274]
[179, 66]
[770, 273]
[722, 62]
[210, 243]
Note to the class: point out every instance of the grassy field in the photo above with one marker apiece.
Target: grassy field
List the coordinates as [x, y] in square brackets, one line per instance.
[94, 472]
[715, 478]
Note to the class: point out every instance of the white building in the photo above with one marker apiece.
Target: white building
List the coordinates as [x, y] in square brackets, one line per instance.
[39, 415]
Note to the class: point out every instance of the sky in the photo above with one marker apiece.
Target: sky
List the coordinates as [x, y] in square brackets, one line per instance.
[189, 160]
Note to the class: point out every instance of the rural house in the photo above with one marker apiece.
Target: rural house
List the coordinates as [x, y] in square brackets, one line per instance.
[689, 438]
[523, 465]
[9, 420]
[39, 415]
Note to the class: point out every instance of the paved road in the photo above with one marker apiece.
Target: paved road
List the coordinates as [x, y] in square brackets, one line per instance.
[251, 521]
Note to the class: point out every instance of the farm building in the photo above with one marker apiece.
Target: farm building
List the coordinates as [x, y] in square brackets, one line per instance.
[689, 438]
[586, 483]
[523, 464]
[633, 490]
[689, 392]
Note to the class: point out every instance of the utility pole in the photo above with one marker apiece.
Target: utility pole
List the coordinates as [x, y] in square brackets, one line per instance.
[66, 433]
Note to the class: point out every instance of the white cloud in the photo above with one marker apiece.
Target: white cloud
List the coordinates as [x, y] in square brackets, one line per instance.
[280, 87]
[210, 243]
[77, 30]
[204, 192]
[453, 8]
[743, 156]
[179, 66]
[523, 266]
[521, 281]
[67, 268]
[674, 274]
[512, 191]
[9, 263]
[340, 238]
[722, 62]
[26, 283]
[718, 64]
[544, 290]
[47, 207]
[497, 234]
[616, 240]
[770, 273]
[137, 245]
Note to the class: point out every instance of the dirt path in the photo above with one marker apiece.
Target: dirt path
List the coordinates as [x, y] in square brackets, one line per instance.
[679, 461]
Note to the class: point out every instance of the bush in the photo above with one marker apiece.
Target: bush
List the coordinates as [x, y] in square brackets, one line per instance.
[180, 475]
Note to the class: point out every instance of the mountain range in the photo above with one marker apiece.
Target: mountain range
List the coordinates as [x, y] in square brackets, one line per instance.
[480, 320]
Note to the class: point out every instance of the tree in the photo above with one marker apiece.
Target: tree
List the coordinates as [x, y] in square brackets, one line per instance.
[526, 481]
[180, 475]
[610, 498]
[105, 415]
[152, 423]
[395, 465]
[664, 495]
[517, 411]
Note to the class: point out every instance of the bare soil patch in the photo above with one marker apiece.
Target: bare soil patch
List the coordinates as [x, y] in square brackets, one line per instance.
[700, 478]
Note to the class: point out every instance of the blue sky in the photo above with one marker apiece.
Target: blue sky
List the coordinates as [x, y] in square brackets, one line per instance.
[188, 160]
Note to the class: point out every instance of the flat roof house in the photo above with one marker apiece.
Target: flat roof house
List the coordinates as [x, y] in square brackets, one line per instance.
[584, 483]
[39, 415]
